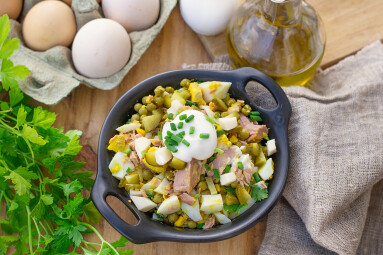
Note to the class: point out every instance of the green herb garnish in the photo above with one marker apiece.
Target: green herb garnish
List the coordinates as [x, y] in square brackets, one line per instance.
[221, 132]
[216, 173]
[186, 142]
[197, 195]
[191, 103]
[230, 190]
[240, 165]
[170, 116]
[128, 151]
[218, 150]
[190, 118]
[204, 135]
[227, 168]
[180, 125]
[259, 194]
[191, 130]
[173, 126]
[209, 119]
[170, 147]
[176, 138]
[183, 116]
[255, 118]
[256, 177]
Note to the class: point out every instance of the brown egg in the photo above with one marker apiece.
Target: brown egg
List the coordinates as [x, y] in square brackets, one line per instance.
[11, 7]
[69, 2]
[49, 24]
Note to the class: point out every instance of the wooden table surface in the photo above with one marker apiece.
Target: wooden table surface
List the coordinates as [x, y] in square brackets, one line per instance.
[86, 108]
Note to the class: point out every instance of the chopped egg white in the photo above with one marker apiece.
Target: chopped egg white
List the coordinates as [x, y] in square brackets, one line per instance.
[192, 211]
[169, 206]
[163, 156]
[222, 218]
[136, 193]
[143, 204]
[128, 127]
[151, 184]
[212, 89]
[175, 107]
[211, 203]
[120, 164]
[140, 145]
[271, 147]
[163, 188]
[266, 171]
[227, 123]
[227, 179]
[208, 111]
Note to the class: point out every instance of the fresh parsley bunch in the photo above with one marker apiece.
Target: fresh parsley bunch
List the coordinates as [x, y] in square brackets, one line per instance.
[41, 185]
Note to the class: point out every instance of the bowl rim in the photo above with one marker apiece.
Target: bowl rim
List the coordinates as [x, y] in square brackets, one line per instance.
[148, 230]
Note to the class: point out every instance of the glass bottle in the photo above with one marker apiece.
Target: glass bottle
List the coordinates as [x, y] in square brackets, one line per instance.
[283, 38]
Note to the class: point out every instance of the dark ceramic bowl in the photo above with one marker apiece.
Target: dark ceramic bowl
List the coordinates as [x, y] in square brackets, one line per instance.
[148, 230]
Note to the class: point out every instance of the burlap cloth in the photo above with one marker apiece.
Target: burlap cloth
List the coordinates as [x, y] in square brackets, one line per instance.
[333, 200]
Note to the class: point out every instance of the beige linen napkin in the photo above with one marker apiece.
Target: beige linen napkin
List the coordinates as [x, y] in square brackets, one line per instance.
[333, 200]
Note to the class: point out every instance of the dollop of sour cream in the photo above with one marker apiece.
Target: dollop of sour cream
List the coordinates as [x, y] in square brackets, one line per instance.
[199, 148]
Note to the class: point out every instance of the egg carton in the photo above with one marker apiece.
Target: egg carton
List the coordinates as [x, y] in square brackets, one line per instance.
[53, 75]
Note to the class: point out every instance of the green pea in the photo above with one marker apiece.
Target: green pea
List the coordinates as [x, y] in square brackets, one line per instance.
[135, 117]
[143, 111]
[185, 83]
[192, 224]
[202, 186]
[159, 90]
[137, 107]
[147, 175]
[159, 101]
[173, 217]
[169, 89]
[244, 134]
[230, 102]
[145, 100]
[169, 175]
[151, 107]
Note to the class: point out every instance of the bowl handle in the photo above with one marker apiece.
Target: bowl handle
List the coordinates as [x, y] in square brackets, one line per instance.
[138, 233]
[278, 116]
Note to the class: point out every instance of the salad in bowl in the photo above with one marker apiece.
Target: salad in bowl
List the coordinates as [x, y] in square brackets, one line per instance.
[193, 157]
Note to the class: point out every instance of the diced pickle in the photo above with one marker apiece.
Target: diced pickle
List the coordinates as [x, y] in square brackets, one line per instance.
[151, 122]
[177, 163]
[242, 194]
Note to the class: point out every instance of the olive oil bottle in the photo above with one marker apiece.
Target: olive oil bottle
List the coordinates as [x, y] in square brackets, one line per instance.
[283, 38]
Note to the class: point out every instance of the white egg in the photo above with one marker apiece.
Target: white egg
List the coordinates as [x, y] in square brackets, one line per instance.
[123, 163]
[101, 48]
[169, 206]
[133, 15]
[143, 204]
[207, 17]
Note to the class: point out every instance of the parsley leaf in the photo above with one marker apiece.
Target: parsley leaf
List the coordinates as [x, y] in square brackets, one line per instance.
[259, 194]
[21, 179]
[32, 135]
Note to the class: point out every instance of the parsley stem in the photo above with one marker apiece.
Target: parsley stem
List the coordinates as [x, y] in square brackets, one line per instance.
[29, 230]
[99, 236]
[38, 230]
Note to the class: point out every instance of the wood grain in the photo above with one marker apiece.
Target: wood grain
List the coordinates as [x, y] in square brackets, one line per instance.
[349, 26]
[86, 109]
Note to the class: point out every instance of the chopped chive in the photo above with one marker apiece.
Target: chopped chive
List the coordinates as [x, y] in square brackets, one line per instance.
[159, 135]
[143, 152]
[227, 168]
[169, 133]
[221, 132]
[204, 135]
[186, 142]
[177, 113]
[191, 103]
[176, 138]
[173, 126]
[170, 116]
[200, 225]
[191, 130]
[180, 125]
[128, 151]
[209, 119]
[207, 166]
[127, 170]
[212, 158]
[240, 165]
[256, 177]
[197, 195]
[183, 116]
[170, 141]
[216, 173]
[266, 138]
[255, 118]
[190, 118]
[170, 147]
[218, 150]
[216, 115]
[255, 113]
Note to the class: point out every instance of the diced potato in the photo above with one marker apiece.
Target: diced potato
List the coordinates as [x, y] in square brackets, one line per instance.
[152, 184]
[164, 187]
[141, 144]
[128, 127]
[151, 122]
[211, 203]
[192, 211]
[260, 159]
[169, 206]
[176, 106]
[163, 155]
[132, 179]
[227, 179]
[211, 186]
[242, 194]
[120, 164]
[271, 147]
[212, 89]
[267, 170]
[222, 218]
[227, 123]
[143, 204]
[136, 193]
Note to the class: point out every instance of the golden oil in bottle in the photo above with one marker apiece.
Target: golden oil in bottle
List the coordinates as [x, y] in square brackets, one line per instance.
[283, 38]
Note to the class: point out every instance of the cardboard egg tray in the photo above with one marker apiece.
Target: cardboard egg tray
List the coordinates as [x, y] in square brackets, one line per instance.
[53, 75]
